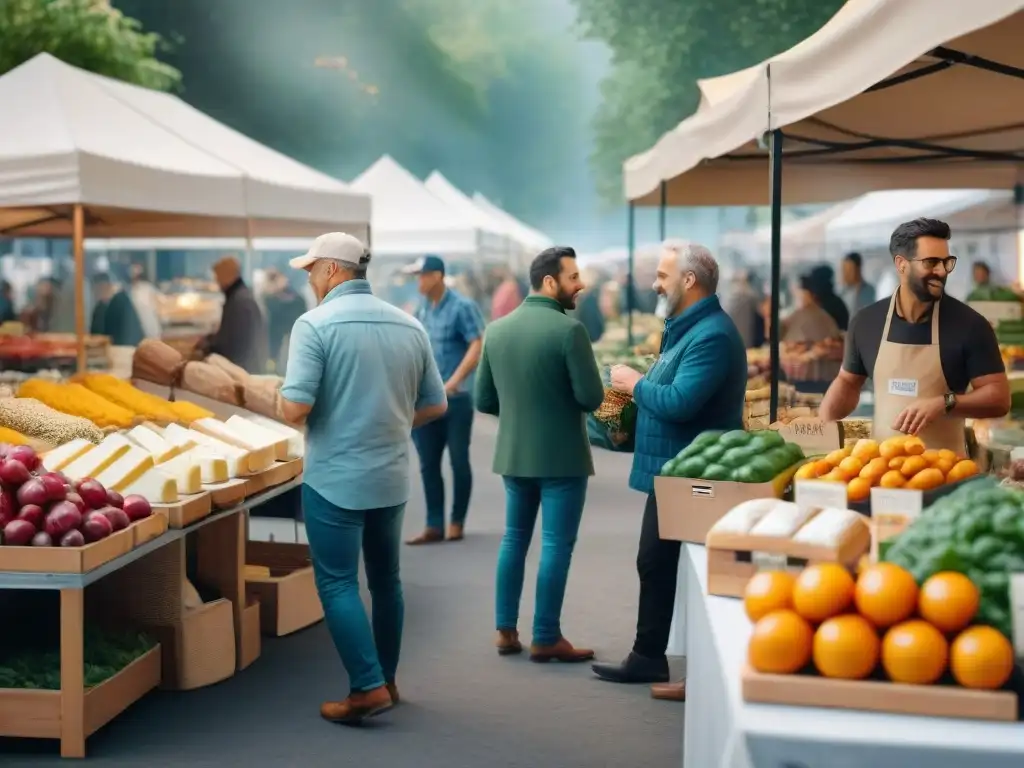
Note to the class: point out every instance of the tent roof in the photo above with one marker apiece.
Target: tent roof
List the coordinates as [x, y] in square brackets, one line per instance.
[889, 94]
[410, 219]
[147, 164]
[439, 185]
[525, 234]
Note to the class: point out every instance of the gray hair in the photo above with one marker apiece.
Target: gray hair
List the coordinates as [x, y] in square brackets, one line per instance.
[358, 270]
[697, 259]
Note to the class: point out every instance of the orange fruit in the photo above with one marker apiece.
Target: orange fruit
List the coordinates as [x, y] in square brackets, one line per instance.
[931, 456]
[912, 466]
[807, 472]
[949, 600]
[892, 447]
[836, 475]
[780, 643]
[893, 479]
[836, 457]
[846, 647]
[851, 466]
[961, 471]
[944, 466]
[897, 462]
[822, 467]
[947, 455]
[865, 450]
[822, 591]
[858, 489]
[885, 594]
[981, 657]
[926, 479]
[914, 652]
[768, 591]
[913, 446]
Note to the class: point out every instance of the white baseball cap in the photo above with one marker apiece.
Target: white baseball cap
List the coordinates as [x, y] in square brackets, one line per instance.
[334, 245]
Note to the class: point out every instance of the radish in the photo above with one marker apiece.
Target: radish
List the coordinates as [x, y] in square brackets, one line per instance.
[13, 473]
[63, 517]
[18, 533]
[34, 514]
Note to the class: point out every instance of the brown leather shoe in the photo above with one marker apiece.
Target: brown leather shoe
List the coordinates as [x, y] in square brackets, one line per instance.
[507, 642]
[393, 690]
[669, 691]
[562, 651]
[455, 532]
[358, 706]
[429, 536]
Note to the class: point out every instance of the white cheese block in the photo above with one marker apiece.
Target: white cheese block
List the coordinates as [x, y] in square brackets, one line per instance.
[258, 437]
[237, 458]
[92, 463]
[744, 516]
[186, 473]
[176, 436]
[783, 521]
[296, 440]
[126, 469]
[154, 486]
[158, 448]
[62, 455]
[828, 527]
[260, 457]
[212, 468]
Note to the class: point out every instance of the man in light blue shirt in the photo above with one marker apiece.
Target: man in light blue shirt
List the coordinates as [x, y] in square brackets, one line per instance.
[360, 375]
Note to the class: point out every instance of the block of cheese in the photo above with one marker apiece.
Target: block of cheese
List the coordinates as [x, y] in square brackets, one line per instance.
[257, 436]
[92, 463]
[186, 473]
[154, 486]
[178, 437]
[62, 455]
[296, 440]
[237, 459]
[260, 456]
[158, 448]
[212, 468]
[126, 469]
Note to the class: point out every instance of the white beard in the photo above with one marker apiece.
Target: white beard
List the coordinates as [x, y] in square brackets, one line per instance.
[661, 309]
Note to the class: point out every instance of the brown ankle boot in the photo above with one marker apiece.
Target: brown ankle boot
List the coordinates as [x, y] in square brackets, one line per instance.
[455, 532]
[507, 642]
[358, 706]
[562, 651]
[429, 536]
[393, 690]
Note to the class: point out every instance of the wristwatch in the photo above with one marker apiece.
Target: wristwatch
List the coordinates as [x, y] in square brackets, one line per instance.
[950, 399]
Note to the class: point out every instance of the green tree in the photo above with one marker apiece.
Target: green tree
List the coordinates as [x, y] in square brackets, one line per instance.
[86, 33]
[660, 48]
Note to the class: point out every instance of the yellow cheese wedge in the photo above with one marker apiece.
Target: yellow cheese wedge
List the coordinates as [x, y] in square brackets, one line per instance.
[259, 457]
[92, 463]
[186, 473]
[255, 436]
[155, 444]
[236, 458]
[213, 468]
[62, 455]
[126, 469]
[296, 440]
[155, 487]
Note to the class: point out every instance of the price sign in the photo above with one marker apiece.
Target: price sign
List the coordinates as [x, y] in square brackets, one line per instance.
[811, 434]
[1017, 612]
[893, 509]
[820, 494]
[768, 561]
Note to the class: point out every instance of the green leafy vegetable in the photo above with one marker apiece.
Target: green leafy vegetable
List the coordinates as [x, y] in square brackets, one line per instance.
[105, 655]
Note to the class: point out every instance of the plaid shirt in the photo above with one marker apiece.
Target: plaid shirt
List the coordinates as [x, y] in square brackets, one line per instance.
[452, 324]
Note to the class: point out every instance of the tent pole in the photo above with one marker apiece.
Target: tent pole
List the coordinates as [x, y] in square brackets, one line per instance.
[247, 269]
[775, 198]
[662, 211]
[631, 245]
[1018, 202]
[78, 248]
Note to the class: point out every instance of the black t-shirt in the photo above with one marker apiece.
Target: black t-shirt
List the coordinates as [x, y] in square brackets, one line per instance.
[967, 344]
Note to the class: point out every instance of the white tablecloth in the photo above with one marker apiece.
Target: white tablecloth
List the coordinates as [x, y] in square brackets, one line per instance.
[722, 731]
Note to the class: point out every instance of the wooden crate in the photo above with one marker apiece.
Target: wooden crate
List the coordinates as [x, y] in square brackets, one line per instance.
[148, 529]
[186, 510]
[67, 559]
[277, 474]
[288, 597]
[250, 643]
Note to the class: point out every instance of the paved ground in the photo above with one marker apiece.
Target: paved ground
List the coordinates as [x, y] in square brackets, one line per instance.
[466, 707]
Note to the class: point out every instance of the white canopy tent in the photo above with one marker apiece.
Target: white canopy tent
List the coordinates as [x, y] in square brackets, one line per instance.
[410, 220]
[494, 233]
[531, 239]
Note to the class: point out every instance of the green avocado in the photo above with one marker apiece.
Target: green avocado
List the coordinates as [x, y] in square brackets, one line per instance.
[734, 438]
[716, 472]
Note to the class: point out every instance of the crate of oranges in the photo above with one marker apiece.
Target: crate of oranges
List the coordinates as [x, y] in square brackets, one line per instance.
[878, 642]
[898, 462]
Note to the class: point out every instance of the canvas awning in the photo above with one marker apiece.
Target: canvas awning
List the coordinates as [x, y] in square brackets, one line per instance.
[495, 235]
[146, 164]
[889, 94]
[530, 238]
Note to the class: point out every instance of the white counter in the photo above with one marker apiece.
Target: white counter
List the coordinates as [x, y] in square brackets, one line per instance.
[722, 731]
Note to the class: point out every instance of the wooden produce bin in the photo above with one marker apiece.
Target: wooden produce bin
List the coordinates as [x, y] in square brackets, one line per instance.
[186, 510]
[805, 690]
[288, 597]
[278, 473]
[148, 529]
[251, 643]
[67, 559]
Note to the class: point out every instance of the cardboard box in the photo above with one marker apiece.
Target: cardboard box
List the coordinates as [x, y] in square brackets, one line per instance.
[687, 508]
[288, 597]
[250, 644]
[815, 436]
[199, 648]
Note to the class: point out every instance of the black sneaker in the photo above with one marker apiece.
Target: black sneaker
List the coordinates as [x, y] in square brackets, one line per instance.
[634, 669]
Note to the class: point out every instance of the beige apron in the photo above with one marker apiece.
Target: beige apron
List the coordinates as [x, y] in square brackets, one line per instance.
[905, 372]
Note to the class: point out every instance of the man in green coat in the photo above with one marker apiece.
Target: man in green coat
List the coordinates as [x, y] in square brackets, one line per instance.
[538, 374]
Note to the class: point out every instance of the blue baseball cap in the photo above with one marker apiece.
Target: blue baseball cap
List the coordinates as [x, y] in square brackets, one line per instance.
[425, 264]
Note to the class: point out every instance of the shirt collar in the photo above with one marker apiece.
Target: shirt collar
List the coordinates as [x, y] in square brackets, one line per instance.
[239, 283]
[544, 301]
[348, 288]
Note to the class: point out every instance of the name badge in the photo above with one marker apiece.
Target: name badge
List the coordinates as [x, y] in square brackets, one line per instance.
[903, 387]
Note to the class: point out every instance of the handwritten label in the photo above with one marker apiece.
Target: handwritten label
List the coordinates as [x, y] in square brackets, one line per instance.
[811, 434]
[819, 494]
[903, 387]
[1017, 612]
[994, 311]
[768, 561]
[893, 509]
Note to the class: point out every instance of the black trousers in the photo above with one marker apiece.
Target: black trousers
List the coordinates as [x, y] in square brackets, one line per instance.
[657, 563]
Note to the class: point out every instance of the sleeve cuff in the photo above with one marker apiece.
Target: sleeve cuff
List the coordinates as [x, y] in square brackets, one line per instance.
[296, 394]
[637, 390]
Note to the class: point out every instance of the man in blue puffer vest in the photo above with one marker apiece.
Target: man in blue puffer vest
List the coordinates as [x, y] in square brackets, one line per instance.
[697, 384]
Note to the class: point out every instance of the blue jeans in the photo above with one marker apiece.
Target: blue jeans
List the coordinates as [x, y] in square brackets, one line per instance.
[453, 430]
[336, 536]
[560, 500]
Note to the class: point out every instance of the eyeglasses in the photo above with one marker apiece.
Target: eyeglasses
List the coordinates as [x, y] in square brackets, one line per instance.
[931, 264]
